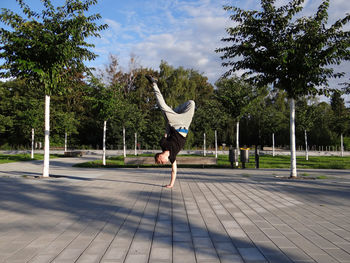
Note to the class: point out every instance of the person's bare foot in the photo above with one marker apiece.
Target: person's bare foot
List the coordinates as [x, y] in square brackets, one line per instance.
[168, 186]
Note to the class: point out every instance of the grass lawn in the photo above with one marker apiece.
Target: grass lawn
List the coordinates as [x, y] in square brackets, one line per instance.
[314, 162]
[10, 158]
[266, 161]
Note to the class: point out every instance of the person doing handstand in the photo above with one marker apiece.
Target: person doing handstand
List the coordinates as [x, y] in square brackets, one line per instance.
[178, 122]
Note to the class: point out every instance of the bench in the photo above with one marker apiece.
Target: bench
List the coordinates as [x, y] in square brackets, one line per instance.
[179, 159]
[73, 154]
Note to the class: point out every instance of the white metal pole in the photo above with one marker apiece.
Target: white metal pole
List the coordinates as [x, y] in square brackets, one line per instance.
[237, 136]
[65, 141]
[32, 154]
[237, 142]
[124, 144]
[104, 143]
[204, 146]
[306, 149]
[216, 144]
[47, 137]
[273, 144]
[341, 145]
[135, 143]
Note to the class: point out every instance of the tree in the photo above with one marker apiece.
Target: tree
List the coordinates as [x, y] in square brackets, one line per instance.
[208, 117]
[266, 117]
[236, 97]
[305, 119]
[272, 46]
[22, 109]
[340, 120]
[179, 85]
[48, 46]
[322, 134]
[107, 102]
[127, 112]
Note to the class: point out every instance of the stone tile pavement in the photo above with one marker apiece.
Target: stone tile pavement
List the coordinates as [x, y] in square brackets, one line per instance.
[212, 215]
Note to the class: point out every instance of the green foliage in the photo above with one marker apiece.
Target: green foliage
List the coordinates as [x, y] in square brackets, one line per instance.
[347, 143]
[50, 45]
[23, 110]
[81, 110]
[272, 46]
[236, 96]
[341, 115]
[208, 117]
[305, 115]
[267, 115]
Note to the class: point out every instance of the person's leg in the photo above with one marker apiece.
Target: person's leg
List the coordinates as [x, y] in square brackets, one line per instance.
[186, 112]
[181, 117]
[185, 107]
[160, 99]
[167, 111]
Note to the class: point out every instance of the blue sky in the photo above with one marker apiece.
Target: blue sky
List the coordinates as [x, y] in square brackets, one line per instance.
[181, 32]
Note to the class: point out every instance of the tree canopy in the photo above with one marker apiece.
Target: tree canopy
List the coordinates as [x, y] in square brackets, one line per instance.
[49, 45]
[273, 46]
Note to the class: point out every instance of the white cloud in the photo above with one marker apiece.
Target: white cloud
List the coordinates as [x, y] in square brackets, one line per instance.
[115, 26]
[183, 33]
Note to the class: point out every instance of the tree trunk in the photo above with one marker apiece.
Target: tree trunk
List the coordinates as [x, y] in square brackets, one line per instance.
[135, 143]
[306, 149]
[204, 145]
[273, 144]
[124, 144]
[293, 160]
[32, 153]
[104, 143]
[237, 141]
[47, 137]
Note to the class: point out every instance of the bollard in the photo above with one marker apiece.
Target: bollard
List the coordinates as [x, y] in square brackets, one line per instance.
[231, 156]
[256, 157]
[244, 156]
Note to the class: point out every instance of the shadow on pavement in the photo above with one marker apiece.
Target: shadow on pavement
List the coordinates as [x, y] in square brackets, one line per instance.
[79, 200]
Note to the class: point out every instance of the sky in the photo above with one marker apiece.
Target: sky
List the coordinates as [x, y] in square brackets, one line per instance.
[181, 32]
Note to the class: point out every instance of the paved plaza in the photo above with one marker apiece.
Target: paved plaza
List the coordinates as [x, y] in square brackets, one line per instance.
[211, 215]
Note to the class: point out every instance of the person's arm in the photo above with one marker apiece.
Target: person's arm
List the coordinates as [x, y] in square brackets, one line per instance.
[173, 174]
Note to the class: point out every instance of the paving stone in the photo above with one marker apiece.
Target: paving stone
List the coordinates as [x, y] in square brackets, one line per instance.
[251, 254]
[139, 258]
[339, 254]
[231, 258]
[182, 236]
[277, 258]
[161, 254]
[139, 247]
[116, 253]
[206, 254]
[23, 255]
[323, 258]
[124, 215]
[183, 252]
[283, 242]
[297, 255]
[225, 248]
[89, 258]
